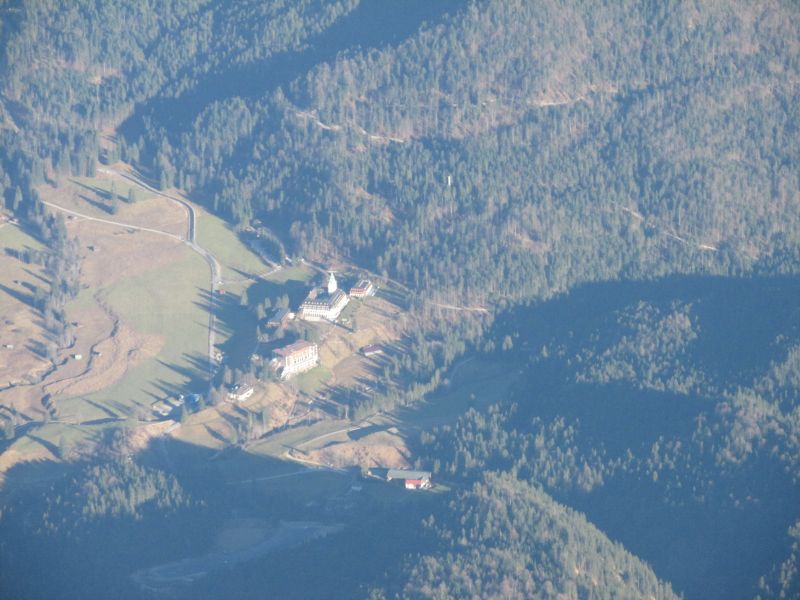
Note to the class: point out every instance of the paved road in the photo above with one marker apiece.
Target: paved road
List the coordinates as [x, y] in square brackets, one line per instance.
[191, 240]
[110, 222]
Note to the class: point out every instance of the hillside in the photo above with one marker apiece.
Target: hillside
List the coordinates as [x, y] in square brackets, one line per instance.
[659, 412]
[582, 221]
[588, 161]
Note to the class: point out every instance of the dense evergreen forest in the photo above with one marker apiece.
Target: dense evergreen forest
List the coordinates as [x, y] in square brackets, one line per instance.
[615, 182]
[656, 410]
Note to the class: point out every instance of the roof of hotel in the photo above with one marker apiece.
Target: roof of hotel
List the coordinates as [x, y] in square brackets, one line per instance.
[295, 347]
[323, 300]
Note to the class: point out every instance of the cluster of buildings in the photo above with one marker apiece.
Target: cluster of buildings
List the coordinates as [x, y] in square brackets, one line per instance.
[321, 304]
[170, 407]
[324, 304]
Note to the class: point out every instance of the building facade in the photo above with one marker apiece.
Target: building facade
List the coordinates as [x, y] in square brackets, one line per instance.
[324, 305]
[412, 480]
[296, 358]
[362, 289]
[279, 317]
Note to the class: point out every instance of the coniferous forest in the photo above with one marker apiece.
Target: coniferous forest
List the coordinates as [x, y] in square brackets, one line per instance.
[609, 190]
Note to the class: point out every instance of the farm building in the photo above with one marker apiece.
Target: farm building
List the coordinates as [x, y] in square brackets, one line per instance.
[279, 317]
[162, 408]
[296, 358]
[322, 304]
[371, 350]
[240, 392]
[362, 289]
[413, 480]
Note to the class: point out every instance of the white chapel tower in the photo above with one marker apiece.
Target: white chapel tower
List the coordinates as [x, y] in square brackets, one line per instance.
[332, 285]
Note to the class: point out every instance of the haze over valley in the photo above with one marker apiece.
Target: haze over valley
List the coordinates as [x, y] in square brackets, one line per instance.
[370, 299]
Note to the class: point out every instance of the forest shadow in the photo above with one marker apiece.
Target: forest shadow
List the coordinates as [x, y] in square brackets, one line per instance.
[26, 299]
[709, 528]
[92, 553]
[234, 321]
[738, 318]
[706, 549]
[373, 23]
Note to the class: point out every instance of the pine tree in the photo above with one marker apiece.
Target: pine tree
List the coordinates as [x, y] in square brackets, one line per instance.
[9, 431]
[15, 203]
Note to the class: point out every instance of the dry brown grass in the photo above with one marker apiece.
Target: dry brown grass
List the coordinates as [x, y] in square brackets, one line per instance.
[381, 449]
[379, 322]
[79, 195]
[109, 346]
[216, 427]
[21, 328]
[108, 361]
[119, 255]
[21, 325]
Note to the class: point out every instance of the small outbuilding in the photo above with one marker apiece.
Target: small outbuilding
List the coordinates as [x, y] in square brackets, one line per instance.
[371, 350]
[362, 289]
[278, 318]
[240, 392]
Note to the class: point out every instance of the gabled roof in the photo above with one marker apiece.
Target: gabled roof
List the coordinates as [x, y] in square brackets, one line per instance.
[295, 347]
[407, 474]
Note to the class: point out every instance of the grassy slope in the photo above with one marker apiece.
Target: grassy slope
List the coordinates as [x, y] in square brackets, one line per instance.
[12, 236]
[167, 303]
[11, 308]
[102, 185]
[217, 237]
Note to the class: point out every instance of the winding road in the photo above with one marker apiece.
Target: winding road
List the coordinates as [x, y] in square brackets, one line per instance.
[190, 240]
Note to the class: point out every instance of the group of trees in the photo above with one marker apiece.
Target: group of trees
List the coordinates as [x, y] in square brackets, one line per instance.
[558, 179]
[504, 155]
[117, 489]
[478, 178]
[504, 538]
[61, 261]
[652, 404]
[508, 153]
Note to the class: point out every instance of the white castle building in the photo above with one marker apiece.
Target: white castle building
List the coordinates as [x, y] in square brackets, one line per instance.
[296, 358]
[320, 305]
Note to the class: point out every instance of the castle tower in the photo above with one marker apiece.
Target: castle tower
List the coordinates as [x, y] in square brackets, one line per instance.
[332, 285]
